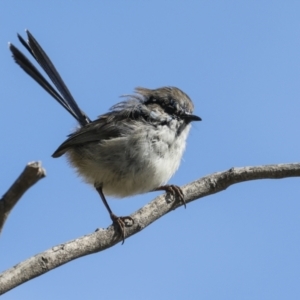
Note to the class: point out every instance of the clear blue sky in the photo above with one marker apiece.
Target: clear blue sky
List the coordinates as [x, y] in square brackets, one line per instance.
[240, 63]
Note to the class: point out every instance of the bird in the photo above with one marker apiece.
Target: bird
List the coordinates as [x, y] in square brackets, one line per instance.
[134, 148]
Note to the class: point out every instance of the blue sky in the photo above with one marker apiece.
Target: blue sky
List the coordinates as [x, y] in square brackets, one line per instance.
[240, 63]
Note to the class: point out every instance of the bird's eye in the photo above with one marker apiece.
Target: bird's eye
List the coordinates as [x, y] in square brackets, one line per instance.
[170, 110]
[173, 108]
[151, 100]
[172, 102]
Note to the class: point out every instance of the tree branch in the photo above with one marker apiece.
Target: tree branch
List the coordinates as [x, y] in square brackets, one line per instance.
[106, 238]
[32, 173]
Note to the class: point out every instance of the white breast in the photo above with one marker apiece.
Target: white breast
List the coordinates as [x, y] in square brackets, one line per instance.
[134, 164]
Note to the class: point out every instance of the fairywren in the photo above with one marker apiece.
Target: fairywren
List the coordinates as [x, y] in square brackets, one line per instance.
[134, 148]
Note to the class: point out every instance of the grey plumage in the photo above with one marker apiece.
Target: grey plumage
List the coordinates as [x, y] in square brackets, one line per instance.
[134, 148]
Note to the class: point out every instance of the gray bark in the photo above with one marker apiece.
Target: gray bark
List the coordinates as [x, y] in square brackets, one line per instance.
[106, 238]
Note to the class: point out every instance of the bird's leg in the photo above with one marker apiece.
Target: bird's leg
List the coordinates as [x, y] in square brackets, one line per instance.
[175, 190]
[120, 222]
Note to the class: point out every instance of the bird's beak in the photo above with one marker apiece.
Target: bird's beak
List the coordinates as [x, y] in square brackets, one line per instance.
[190, 118]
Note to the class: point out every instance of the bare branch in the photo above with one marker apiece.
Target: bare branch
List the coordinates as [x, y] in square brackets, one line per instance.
[105, 238]
[32, 173]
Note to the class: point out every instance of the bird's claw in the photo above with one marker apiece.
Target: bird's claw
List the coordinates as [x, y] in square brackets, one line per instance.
[121, 223]
[175, 190]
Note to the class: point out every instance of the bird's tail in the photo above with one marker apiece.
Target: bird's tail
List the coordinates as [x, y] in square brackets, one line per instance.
[61, 94]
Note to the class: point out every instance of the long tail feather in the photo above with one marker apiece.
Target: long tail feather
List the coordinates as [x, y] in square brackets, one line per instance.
[63, 95]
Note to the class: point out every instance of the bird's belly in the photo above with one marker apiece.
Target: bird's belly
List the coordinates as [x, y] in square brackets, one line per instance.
[126, 166]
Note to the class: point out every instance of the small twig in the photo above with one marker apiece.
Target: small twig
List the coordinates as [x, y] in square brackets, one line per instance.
[32, 173]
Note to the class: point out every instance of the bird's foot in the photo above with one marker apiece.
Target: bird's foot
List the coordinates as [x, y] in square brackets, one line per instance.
[175, 190]
[121, 223]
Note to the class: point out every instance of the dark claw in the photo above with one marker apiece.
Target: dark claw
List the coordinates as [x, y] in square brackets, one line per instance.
[121, 223]
[175, 190]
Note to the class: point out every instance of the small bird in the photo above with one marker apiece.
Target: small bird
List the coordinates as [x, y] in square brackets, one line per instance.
[134, 148]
